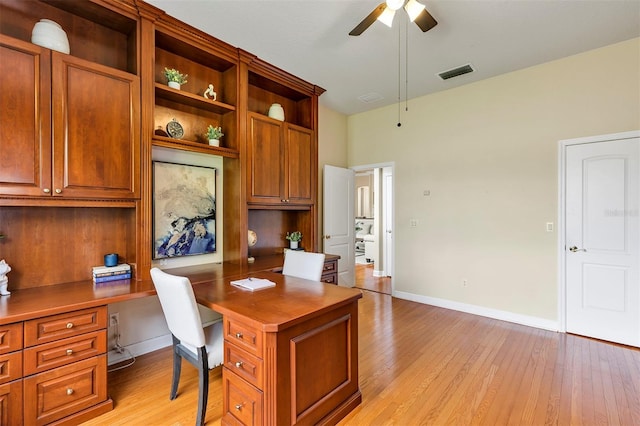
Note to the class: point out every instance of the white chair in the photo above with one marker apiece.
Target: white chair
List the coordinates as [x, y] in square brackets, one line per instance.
[201, 345]
[303, 264]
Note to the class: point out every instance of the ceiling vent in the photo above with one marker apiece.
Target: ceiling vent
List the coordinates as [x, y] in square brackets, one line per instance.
[370, 98]
[465, 69]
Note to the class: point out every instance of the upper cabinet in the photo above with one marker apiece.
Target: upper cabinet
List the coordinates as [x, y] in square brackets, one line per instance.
[208, 98]
[79, 113]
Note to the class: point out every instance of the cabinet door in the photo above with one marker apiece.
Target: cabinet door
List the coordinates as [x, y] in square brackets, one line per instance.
[25, 127]
[266, 160]
[96, 132]
[11, 403]
[300, 160]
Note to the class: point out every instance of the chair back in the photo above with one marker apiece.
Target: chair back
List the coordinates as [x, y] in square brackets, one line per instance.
[179, 307]
[303, 264]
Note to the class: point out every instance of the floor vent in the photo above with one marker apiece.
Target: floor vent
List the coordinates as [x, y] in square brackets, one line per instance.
[465, 69]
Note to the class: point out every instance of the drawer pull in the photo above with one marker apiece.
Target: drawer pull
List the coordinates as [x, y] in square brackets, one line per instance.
[69, 325]
[69, 391]
[239, 335]
[238, 407]
[239, 364]
[69, 352]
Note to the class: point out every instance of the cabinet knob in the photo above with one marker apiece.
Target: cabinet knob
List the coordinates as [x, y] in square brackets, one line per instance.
[69, 325]
[239, 335]
[239, 364]
[238, 407]
[69, 391]
[46, 190]
[58, 191]
[69, 351]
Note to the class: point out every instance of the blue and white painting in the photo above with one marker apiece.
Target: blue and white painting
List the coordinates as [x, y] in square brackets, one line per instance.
[184, 209]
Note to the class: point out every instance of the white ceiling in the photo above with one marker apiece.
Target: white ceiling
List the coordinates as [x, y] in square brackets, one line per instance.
[309, 38]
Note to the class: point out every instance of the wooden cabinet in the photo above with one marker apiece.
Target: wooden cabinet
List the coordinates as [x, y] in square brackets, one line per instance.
[11, 374]
[60, 374]
[79, 125]
[281, 158]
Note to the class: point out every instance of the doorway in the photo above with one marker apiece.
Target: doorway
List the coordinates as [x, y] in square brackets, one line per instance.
[374, 209]
[600, 237]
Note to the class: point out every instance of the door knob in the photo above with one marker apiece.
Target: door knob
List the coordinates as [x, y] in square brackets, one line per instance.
[327, 237]
[574, 249]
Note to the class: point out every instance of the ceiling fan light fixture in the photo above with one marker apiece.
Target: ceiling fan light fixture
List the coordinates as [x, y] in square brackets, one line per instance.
[387, 17]
[394, 4]
[414, 9]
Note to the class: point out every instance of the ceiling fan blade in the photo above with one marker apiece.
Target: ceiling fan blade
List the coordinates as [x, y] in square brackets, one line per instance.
[425, 21]
[370, 19]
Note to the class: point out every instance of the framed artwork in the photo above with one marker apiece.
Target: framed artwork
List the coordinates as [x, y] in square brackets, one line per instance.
[184, 210]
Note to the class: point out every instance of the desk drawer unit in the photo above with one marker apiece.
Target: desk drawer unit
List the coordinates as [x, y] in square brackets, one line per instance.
[56, 327]
[330, 272]
[243, 336]
[244, 364]
[243, 402]
[10, 337]
[11, 403]
[10, 366]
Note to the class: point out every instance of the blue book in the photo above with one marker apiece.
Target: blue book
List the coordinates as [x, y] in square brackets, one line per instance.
[125, 276]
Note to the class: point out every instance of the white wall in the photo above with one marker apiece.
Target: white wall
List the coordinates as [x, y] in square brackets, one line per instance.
[487, 152]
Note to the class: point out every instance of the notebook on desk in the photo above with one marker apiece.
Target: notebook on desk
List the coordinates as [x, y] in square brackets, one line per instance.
[253, 283]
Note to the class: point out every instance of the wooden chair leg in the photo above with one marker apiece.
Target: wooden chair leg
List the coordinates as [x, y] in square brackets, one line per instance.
[177, 364]
[203, 385]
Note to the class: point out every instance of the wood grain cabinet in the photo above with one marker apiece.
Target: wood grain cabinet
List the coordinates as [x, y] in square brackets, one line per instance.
[11, 374]
[70, 124]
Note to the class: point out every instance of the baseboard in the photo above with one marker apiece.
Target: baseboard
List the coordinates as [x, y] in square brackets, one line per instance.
[378, 273]
[140, 348]
[527, 320]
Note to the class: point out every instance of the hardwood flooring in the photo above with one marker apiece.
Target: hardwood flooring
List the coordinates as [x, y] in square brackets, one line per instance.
[422, 365]
[366, 281]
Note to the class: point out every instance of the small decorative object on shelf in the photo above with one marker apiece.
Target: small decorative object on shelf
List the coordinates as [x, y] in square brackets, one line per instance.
[174, 129]
[174, 78]
[214, 134]
[252, 239]
[160, 132]
[4, 281]
[210, 93]
[276, 111]
[294, 239]
[50, 34]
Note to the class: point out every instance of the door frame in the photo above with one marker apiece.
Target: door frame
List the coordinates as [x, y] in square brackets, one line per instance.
[392, 165]
[562, 253]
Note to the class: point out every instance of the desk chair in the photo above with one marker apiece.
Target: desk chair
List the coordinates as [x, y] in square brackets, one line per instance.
[303, 264]
[199, 344]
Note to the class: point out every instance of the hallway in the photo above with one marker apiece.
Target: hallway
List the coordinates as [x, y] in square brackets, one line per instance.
[366, 281]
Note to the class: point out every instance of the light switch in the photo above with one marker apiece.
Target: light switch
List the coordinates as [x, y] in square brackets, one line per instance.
[413, 223]
[426, 192]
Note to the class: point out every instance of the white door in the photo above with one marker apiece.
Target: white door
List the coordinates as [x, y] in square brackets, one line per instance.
[339, 220]
[602, 240]
[387, 205]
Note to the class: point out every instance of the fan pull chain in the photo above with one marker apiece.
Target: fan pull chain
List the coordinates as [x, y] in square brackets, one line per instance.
[406, 66]
[399, 74]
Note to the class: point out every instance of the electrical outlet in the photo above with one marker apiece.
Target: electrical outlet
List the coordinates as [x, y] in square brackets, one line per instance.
[464, 282]
[114, 319]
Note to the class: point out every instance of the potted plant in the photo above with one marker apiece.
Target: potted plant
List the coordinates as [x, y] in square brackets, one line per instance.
[175, 78]
[214, 134]
[294, 239]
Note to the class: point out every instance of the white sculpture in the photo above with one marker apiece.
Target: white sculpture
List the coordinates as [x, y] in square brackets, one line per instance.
[210, 92]
[4, 281]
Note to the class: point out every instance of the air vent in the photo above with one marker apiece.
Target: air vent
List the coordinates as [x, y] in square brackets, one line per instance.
[465, 69]
[370, 98]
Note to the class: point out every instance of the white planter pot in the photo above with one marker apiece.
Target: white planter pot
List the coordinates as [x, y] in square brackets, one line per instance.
[293, 244]
[174, 85]
[214, 142]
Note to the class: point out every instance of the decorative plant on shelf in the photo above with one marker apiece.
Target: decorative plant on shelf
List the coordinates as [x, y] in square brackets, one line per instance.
[214, 132]
[294, 239]
[175, 76]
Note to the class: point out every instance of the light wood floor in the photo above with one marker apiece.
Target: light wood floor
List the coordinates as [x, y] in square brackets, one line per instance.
[421, 365]
[366, 281]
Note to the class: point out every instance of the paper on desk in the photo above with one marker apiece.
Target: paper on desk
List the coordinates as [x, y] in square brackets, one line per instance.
[253, 283]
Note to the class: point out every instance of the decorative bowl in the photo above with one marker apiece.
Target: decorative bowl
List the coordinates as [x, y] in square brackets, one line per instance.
[49, 34]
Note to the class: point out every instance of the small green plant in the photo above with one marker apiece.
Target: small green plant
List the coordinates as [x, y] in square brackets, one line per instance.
[294, 236]
[175, 75]
[214, 132]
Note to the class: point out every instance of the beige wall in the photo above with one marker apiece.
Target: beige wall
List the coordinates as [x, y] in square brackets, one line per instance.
[332, 150]
[487, 152]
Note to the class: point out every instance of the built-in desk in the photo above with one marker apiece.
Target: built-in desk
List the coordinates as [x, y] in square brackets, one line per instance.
[291, 351]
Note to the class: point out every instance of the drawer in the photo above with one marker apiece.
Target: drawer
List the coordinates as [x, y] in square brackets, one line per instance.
[55, 354]
[330, 266]
[247, 366]
[10, 367]
[331, 278]
[244, 336]
[11, 403]
[242, 403]
[10, 337]
[60, 392]
[56, 327]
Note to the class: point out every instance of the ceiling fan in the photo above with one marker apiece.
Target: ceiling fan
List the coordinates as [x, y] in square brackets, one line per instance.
[387, 10]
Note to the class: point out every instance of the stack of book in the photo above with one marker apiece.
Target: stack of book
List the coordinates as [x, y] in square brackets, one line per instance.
[103, 274]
